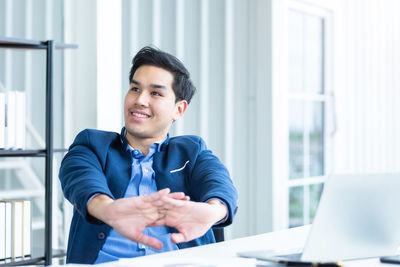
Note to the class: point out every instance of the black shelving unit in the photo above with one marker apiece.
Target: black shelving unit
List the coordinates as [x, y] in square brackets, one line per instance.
[47, 152]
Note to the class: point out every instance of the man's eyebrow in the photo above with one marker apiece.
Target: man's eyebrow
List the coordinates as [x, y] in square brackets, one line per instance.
[158, 86]
[152, 85]
[135, 82]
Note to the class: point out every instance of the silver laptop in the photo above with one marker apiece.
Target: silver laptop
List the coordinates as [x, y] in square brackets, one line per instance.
[358, 217]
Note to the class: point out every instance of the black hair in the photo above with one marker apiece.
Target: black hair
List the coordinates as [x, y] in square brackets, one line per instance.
[182, 84]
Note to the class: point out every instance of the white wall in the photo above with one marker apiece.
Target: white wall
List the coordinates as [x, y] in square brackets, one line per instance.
[368, 98]
[93, 89]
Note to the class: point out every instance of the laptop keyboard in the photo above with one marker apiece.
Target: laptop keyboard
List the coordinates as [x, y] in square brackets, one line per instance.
[294, 256]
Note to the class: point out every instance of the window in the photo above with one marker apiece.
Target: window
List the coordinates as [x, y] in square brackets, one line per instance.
[309, 101]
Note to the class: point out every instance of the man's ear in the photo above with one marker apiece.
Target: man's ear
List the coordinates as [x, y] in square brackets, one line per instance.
[181, 107]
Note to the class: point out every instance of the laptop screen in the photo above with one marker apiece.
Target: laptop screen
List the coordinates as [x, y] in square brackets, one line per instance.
[358, 217]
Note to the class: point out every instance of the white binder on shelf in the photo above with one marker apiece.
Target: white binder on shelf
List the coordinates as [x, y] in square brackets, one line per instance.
[8, 230]
[2, 119]
[2, 231]
[20, 118]
[26, 237]
[16, 225]
[10, 119]
[18, 228]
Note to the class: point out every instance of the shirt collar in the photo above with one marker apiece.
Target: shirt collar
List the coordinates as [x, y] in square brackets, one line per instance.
[156, 145]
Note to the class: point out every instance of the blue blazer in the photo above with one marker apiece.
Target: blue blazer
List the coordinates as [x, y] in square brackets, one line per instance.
[98, 162]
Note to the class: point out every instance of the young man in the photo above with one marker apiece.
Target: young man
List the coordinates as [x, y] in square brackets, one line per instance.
[141, 192]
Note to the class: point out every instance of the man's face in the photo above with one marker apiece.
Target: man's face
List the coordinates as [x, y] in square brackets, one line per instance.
[150, 106]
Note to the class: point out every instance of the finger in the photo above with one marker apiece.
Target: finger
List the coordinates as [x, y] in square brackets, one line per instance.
[149, 241]
[149, 209]
[164, 191]
[165, 207]
[177, 195]
[173, 202]
[178, 238]
[169, 204]
[156, 196]
[159, 222]
[162, 212]
[158, 203]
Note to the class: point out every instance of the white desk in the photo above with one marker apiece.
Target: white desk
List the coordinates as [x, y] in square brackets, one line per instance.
[290, 240]
[224, 254]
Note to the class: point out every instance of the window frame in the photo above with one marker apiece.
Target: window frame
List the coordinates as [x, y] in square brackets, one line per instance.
[282, 183]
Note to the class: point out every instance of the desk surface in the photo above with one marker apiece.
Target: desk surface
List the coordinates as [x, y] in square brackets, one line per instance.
[290, 240]
[224, 254]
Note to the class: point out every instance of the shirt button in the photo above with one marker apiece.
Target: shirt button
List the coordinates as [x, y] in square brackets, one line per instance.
[135, 152]
[142, 246]
[101, 235]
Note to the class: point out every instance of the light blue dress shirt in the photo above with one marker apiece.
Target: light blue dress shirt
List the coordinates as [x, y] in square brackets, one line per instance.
[142, 182]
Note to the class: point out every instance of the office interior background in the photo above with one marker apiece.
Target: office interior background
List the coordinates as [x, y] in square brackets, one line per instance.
[288, 92]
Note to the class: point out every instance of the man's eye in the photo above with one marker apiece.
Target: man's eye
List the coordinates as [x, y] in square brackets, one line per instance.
[135, 89]
[156, 93]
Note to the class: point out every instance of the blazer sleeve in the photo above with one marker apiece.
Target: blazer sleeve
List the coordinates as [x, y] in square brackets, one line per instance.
[211, 179]
[81, 175]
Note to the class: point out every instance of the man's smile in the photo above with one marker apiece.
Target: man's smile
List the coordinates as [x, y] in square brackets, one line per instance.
[139, 114]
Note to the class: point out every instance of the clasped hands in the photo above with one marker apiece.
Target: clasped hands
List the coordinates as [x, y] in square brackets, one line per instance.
[129, 216]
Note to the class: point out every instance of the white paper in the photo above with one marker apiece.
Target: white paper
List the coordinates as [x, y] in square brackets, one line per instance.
[185, 262]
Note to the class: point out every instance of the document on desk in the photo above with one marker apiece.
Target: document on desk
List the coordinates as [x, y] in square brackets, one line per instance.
[186, 262]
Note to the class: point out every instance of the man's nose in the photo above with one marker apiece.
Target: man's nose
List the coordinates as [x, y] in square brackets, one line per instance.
[142, 99]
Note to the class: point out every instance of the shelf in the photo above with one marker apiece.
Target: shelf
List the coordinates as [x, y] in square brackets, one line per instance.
[23, 153]
[7, 42]
[29, 153]
[49, 46]
[40, 260]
